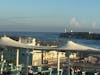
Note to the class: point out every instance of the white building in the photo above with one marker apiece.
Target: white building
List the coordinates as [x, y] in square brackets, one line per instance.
[28, 40]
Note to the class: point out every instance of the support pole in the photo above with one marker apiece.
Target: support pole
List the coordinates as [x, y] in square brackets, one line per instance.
[68, 63]
[32, 57]
[1, 55]
[58, 63]
[27, 61]
[17, 58]
[50, 69]
[42, 57]
[2, 63]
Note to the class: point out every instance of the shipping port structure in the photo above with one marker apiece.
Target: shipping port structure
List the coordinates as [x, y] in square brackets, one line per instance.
[80, 35]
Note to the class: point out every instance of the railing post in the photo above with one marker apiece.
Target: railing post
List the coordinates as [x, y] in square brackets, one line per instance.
[50, 69]
[96, 73]
[39, 70]
[84, 73]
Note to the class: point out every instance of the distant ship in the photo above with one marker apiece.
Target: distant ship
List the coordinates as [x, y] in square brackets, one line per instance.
[80, 35]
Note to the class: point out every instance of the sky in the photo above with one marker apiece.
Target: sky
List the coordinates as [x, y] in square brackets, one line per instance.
[50, 15]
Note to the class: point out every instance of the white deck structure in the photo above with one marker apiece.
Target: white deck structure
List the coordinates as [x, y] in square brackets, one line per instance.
[69, 46]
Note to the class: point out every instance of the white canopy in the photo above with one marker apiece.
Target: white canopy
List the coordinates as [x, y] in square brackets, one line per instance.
[70, 45]
[6, 41]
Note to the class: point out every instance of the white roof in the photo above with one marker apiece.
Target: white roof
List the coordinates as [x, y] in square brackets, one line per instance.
[6, 41]
[70, 45]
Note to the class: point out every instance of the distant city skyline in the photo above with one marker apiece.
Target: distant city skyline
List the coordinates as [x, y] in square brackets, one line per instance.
[50, 15]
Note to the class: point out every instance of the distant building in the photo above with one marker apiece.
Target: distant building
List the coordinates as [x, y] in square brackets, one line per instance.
[28, 40]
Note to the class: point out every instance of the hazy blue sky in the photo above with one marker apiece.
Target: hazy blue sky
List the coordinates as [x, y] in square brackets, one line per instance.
[49, 15]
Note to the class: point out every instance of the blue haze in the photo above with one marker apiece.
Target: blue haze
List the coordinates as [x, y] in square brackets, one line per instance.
[49, 15]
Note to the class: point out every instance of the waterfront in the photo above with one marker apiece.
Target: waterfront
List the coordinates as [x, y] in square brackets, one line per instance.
[51, 37]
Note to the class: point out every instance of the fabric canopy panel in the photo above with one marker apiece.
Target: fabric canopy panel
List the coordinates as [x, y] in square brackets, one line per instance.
[70, 45]
[6, 41]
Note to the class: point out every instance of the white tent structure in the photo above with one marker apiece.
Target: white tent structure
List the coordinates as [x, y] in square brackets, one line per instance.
[72, 46]
[6, 41]
[69, 46]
